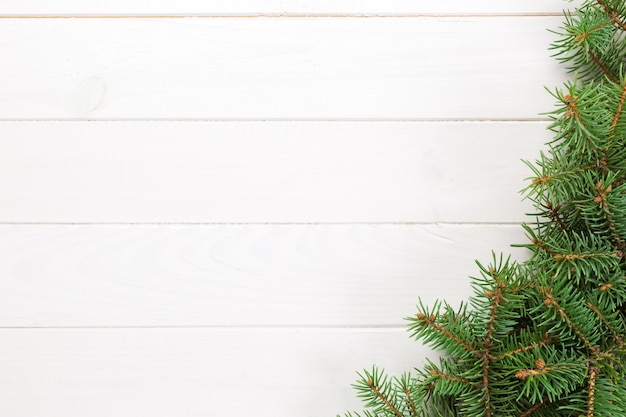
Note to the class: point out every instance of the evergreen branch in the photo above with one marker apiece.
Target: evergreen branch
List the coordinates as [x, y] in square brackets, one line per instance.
[592, 46]
[382, 397]
[546, 341]
[600, 198]
[423, 319]
[572, 109]
[603, 318]
[612, 14]
[562, 257]
[405, 383]
[410, 402]
[554, 214]
[603, 67]
[439, 374]
[534, 408]
[542, 180]
[540, 369]
[486, 353]
[551, 302]
[559, 178]
[535, 241]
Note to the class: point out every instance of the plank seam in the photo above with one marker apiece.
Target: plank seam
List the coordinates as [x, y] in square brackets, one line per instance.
[312, 120]
[259, 224]
[281, 15]
[219, 327]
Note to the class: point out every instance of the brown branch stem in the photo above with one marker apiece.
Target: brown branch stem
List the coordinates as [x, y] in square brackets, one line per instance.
[603, 67]
[551, 302]
[613, 14]
[546, 341]
[430, 320]
[591, 394]
[411, 403]
[438, 374]
[604, 320]
[384, 399]
[534, 408]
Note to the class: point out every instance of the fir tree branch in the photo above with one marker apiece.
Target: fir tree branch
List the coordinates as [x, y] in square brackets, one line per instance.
[486, 353]
[430, 321]
[604, 320]
[603, 67]
[435, 372]
[546, 341]
[534, 408]
[612, 14]
[546, 179]
[572, 108]
[383, 398]
[541, 368]
[410, 402]
[561, 257]
[535, 241]
[554, 214]
[551, 302]
[603, 192]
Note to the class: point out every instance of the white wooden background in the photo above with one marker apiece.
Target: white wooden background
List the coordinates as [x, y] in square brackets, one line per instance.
[226, 208]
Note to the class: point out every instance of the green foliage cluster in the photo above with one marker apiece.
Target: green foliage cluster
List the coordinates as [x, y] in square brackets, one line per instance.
[545, 337]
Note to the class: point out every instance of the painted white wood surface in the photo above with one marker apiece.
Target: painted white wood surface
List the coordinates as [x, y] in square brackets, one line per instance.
[288, 121]
[192, 372]
[277, 68]
[246, 275]
[278, 7]
[266, 172]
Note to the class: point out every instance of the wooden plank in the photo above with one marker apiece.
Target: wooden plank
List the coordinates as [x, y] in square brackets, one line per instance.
[193, 372]
[237, 275]
[276, 7]
[267, 68]
[279, 7]
[265, 172]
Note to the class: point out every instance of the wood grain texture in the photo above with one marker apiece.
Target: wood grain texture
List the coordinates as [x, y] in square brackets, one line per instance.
[277, 7]
[295, 275]
[265, 172]
[258, 201]
[192, 372]
[267, 68]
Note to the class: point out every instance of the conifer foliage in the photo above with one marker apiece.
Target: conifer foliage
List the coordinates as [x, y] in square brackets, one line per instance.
[545, 337]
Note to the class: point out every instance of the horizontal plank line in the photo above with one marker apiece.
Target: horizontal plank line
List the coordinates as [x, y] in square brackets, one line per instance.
[342, 327]
[304, 223]
[281, 15]
[299, 120]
